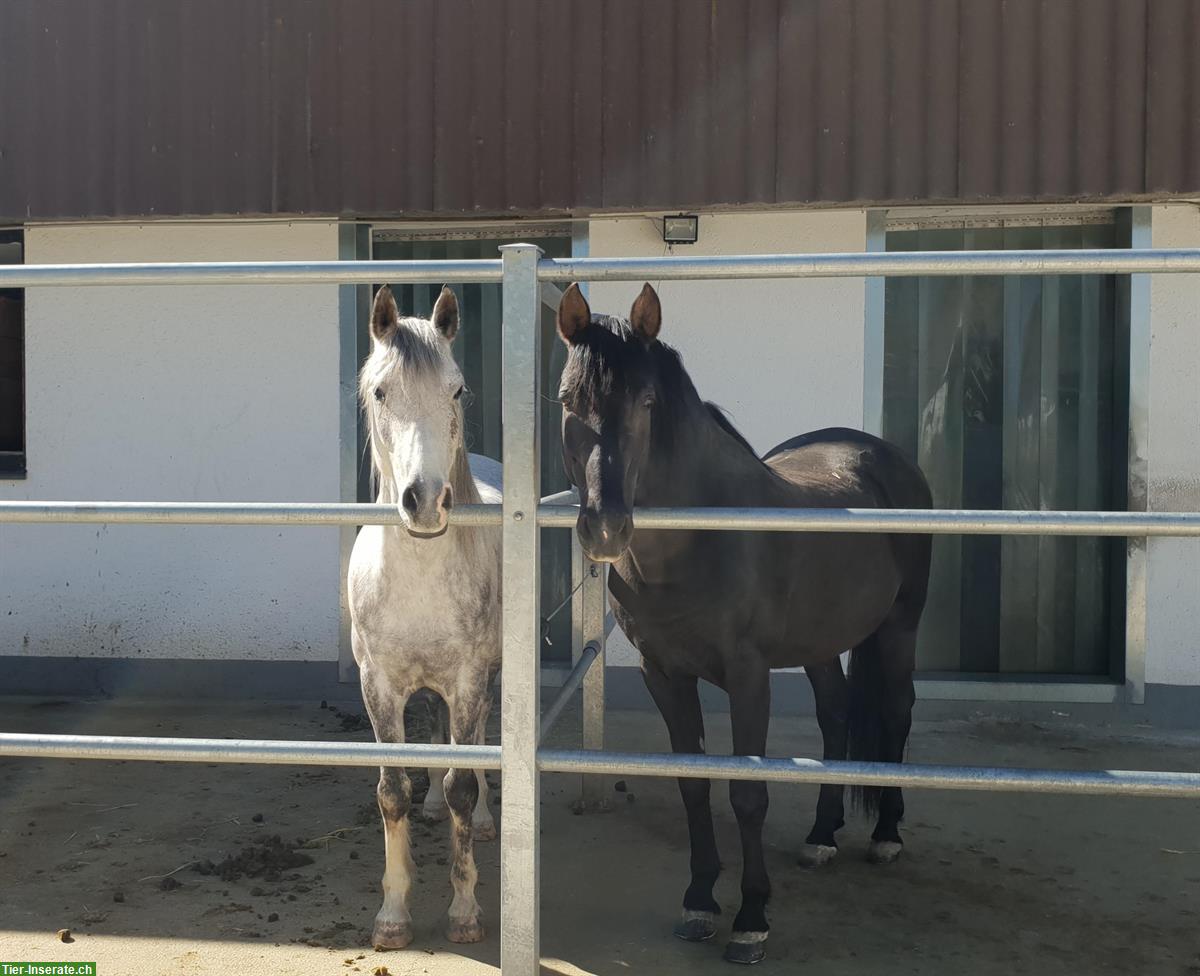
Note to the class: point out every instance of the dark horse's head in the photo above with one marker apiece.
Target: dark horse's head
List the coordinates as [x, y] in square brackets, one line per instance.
[610, 385]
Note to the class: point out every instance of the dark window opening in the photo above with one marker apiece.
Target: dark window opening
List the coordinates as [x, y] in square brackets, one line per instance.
[1012, 393]
[12, 363]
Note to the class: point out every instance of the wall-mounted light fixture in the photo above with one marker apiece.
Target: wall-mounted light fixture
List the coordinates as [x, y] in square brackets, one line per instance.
[681, 229]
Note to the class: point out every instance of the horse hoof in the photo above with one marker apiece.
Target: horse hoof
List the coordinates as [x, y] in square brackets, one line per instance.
[392, 935]
[696, 926]
[746, 948]
[884, 851]
[484, 832]
[816, 855]
[435, 814]
[465, 930]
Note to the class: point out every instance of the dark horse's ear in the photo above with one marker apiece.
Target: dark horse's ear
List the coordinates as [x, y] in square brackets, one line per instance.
[646, 314]
[385, 316]
[573, 315]
[445, 314]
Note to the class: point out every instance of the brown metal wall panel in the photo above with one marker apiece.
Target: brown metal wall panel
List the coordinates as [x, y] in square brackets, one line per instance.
[121, 108]
[1015, 99]
[796, 174]
[762, 89]
[871, 114]
[1096, 73]
[1128, 57]
[582, 65]
[1173, 94]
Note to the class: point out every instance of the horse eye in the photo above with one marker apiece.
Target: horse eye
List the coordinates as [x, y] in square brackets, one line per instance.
[379, 393]
[458, 395]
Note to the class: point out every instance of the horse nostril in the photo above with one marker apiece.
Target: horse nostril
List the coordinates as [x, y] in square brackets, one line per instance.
[409, 500]
[447, 501]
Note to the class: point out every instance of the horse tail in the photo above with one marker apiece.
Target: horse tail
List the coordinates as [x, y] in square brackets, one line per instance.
[866, 710]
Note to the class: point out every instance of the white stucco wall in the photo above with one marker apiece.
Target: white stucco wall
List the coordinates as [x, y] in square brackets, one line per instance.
[782, 357]
[1173, 463]
[177, 394]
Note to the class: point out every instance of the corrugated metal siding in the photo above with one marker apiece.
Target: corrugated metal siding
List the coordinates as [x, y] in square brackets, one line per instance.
[384, 108]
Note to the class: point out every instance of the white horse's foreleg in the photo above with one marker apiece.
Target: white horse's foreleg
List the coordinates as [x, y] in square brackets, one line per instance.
[393, 924]
[434, 807]
[462, 786]
[482, 824]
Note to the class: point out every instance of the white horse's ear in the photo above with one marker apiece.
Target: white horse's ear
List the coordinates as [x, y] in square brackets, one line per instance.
[646, 314]
[573, 315]
[445, 314]
[385, 316]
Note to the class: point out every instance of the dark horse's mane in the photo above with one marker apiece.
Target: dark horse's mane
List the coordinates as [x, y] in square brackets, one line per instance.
[608, 351]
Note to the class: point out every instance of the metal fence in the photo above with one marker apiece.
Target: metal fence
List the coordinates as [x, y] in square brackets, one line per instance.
[524, 276]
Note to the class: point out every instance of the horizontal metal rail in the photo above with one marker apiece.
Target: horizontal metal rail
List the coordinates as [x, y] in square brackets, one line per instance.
[35, 745]
[1106, 782]
[919, 521]
[589, 654]
[283, 752]
[862, 520]
[253, 273]
[563, 270]
[229, 513]
[896, 264]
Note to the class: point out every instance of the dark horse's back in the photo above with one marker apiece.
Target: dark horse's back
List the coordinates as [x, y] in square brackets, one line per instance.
[884, 477]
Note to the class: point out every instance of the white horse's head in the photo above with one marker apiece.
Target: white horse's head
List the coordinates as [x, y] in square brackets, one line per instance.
[411, 391]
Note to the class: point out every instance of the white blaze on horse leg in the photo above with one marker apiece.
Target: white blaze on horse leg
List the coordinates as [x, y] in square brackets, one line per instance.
[884, 851]
[816, 855]
[393, 924]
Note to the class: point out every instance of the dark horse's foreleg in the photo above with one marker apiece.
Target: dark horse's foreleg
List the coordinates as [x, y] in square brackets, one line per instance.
[897, 650]
[831, 693]
[750, 706]
[678, 700]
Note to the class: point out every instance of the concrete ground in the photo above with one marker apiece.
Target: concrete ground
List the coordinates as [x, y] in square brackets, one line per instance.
[988, 884]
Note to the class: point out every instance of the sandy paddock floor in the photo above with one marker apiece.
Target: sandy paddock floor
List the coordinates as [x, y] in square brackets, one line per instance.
[988, 884]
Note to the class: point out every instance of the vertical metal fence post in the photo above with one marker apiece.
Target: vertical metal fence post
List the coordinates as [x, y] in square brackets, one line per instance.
[520, 676]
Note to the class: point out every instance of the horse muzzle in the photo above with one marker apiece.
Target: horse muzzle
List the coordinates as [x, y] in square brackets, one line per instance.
[604, 536]
[426, 508]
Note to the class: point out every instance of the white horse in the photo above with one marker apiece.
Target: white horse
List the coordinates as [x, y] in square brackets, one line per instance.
[424, 596]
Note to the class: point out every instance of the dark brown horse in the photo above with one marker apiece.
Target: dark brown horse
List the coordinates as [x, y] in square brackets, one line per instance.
[730, 606]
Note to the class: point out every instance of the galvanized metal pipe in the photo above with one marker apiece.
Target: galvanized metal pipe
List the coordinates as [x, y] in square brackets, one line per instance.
[283, 752]
[228, 513]
[520, 617]
[569, 686]
[897, 520]
[35, 745]
[873, 264]
[563, 270]
[252, 273]
[1108, 782]
[889, 520]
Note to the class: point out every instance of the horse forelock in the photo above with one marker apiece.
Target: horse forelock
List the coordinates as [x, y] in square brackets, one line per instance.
[413, 352]
[604, 358]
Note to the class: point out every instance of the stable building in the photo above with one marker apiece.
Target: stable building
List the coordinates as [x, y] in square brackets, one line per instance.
[294, 131]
